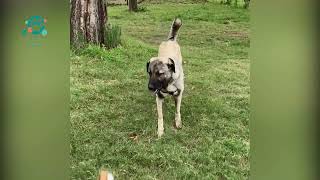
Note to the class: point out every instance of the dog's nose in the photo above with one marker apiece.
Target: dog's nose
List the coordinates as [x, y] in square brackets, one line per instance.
[151, 87]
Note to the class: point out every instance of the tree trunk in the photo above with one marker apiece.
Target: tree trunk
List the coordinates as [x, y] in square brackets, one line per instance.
[88, 19]
[133, 5]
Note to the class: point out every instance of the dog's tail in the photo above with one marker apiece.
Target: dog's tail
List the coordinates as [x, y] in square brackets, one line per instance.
[176, 24]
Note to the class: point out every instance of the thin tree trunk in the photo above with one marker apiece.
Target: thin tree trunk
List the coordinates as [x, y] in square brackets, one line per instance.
[246, 3]
[88, 19]
[133, 5]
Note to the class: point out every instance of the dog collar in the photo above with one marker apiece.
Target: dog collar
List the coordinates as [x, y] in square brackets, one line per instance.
[173, 93]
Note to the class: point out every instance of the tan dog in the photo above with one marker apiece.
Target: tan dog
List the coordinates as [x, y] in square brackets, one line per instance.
[166, 75]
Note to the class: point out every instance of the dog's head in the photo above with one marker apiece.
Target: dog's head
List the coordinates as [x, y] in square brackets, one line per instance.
[160, 73]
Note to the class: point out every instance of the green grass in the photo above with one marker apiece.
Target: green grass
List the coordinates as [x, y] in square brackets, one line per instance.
[110, 102]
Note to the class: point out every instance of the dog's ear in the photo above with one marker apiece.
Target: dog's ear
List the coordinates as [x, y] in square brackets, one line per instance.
[150, 61]
[171, 65]
[148, 70]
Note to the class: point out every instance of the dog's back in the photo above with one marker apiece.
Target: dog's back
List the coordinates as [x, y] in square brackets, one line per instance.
[171, 48]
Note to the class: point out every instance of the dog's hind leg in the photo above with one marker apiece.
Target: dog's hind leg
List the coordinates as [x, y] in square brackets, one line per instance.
[160, 116]
[177, 119]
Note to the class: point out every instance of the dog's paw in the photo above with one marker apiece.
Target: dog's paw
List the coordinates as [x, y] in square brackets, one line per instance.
[178, 124]
[160, 134]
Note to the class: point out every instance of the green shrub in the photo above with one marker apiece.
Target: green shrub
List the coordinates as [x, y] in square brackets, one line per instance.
[142, 9]
[112, 36]
[246, 3]
[236, 3]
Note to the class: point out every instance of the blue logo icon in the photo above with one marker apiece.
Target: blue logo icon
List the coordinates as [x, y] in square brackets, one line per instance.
[35, 25]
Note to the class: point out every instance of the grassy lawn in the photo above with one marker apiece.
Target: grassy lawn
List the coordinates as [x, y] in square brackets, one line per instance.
[113, 116]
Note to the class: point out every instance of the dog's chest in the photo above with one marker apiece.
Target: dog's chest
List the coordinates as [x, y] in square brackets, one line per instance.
[170, 90]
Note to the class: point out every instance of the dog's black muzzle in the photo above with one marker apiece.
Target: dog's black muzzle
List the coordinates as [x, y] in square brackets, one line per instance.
[156, 85]
[151, 87]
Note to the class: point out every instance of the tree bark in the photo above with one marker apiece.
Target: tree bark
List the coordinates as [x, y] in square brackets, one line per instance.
[133, 5]
[88, 19]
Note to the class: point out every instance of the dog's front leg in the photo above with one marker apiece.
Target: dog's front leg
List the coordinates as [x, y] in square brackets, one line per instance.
[177, 119]
[160, 116]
